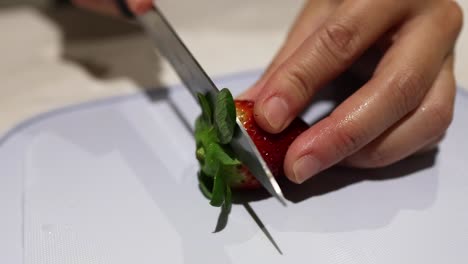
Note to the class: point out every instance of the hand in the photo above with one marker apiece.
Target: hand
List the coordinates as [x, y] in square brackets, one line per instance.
[110, 7]
[405, 106]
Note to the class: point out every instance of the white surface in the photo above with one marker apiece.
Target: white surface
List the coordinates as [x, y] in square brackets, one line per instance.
[124, 190]
[34, 78]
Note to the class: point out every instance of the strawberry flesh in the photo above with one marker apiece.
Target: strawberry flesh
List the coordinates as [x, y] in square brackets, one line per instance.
[248, 181]
[272, 147]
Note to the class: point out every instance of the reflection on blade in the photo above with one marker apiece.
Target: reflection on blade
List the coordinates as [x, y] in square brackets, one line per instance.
[197, 81]
[248, 154]
[173, 49]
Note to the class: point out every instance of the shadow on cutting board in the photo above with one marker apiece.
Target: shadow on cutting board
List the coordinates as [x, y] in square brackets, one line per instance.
[106, 47]
[337, 178]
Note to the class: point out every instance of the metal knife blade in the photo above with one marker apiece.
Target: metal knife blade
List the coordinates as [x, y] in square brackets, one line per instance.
[197, 81]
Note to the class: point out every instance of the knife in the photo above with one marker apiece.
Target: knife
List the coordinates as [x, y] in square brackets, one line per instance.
[197, 81]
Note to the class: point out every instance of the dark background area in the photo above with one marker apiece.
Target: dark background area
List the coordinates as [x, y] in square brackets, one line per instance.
[106, 47]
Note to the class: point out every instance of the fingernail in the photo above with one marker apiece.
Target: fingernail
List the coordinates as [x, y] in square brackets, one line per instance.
[305, 167]
[276, 111]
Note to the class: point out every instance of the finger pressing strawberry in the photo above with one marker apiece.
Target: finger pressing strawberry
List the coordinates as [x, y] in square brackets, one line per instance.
[220, 170]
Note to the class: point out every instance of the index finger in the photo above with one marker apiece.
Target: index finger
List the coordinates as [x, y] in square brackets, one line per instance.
[398, 86]
[329, 51]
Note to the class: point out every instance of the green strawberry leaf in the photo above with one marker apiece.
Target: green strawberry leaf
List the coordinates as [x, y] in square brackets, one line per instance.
[225, 210]
[216, 156]
[211, 164]
[222, 219]
[201, 128]
[206, 184]
[214, 129]
[226, 159]
[228, 199]
[206, 108]
[218, 189]
[209, 167]
[225, 116]
[204, 134]
[200, 124]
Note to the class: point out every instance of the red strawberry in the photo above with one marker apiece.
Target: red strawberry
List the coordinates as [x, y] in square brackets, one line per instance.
[272, 147]
[220, 169]
[246, 179]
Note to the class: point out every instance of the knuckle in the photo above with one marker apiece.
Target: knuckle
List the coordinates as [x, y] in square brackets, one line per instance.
[455, 13]
[439, 117]
[371, 158]
[337, 40]
[379, 158]
[448, 16]
[300, 84]
[348, 137]
[408, 89]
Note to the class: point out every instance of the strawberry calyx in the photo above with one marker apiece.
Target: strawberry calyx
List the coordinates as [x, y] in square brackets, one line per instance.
[214, 129]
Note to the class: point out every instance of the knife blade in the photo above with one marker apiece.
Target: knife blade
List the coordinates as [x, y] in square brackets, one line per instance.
[197, 81]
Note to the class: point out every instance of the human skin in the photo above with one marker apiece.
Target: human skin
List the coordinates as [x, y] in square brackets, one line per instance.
[109, 7]
[404, 107]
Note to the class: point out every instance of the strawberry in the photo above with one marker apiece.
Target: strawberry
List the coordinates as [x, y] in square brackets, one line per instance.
[272, 147]
[220, 171]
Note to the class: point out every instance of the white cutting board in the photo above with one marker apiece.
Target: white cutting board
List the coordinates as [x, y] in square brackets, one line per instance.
[114, 181]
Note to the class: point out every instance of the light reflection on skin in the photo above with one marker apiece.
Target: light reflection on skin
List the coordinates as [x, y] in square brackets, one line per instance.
[329, 126]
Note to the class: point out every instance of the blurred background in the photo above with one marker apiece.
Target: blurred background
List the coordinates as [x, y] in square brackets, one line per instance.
[53, 54]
